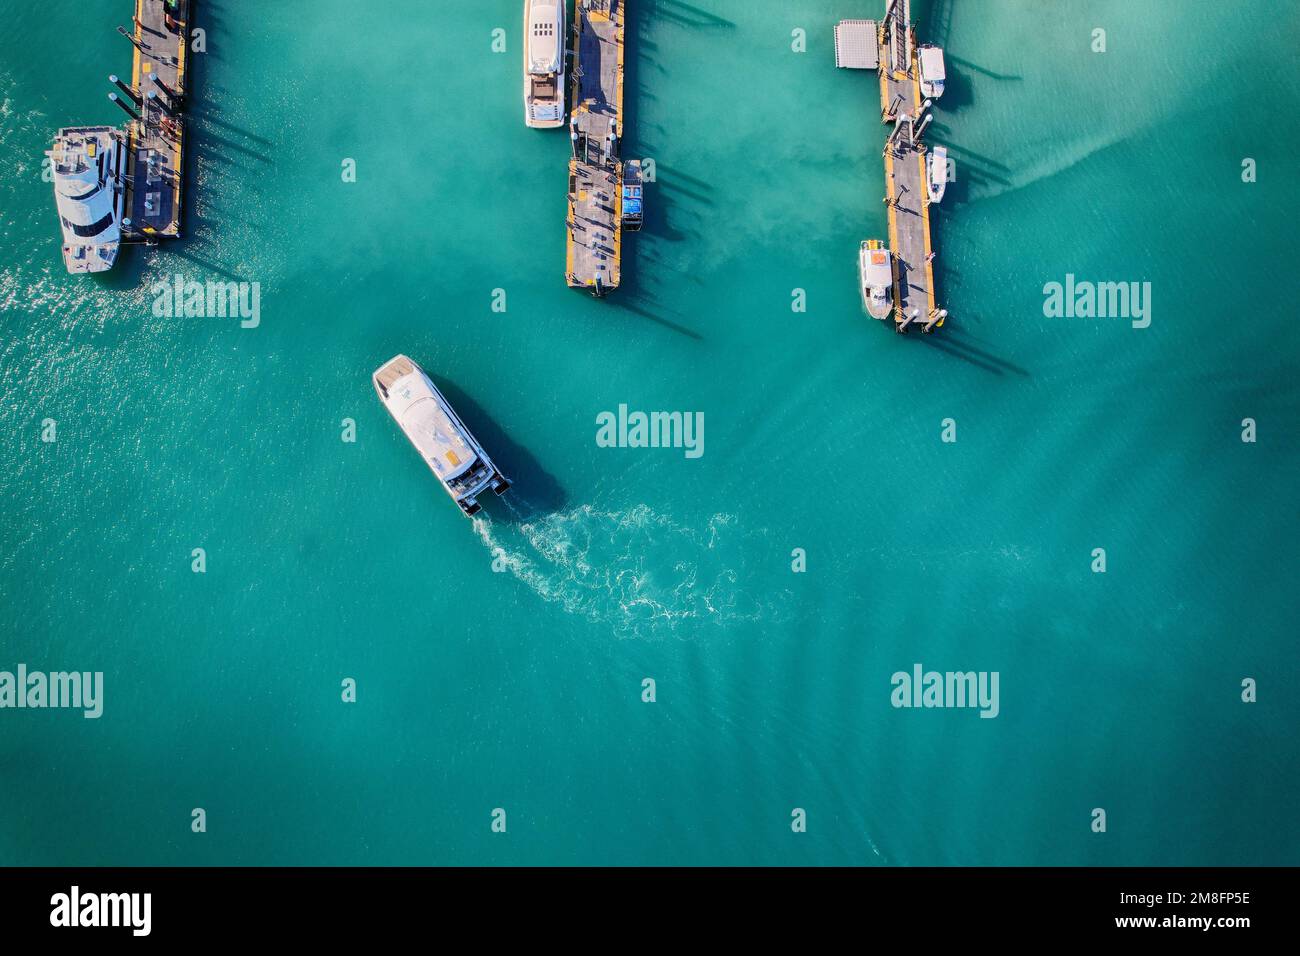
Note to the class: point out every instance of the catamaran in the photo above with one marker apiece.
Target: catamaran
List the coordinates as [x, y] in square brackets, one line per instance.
[89, 168]
[437, 433]
[930, 60]
[544, 63]
[876, 272]
[936, 173]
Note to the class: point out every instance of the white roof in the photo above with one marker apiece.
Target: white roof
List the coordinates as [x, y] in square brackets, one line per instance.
[81, 197]
[875, 267]
[438, 438]
[544, 39]
[931, 58]
[423, 417]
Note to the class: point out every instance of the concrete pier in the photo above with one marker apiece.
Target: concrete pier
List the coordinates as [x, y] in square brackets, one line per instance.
[594, 248]
[905, 174]
[902, 107]
[155, 163]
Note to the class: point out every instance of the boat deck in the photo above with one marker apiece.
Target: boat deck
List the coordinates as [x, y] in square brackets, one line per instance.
[905, 192]
[398, 368]
[154, 190]
[594, 247]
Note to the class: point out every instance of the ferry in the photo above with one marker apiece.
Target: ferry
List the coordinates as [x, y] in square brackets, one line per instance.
[930, 62]
[544, 63]
[437, 433]
[876, 272]
[89, 168]
[936, 169]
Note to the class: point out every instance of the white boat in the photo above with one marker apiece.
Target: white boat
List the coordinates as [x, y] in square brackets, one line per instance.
[89, 168]
[876, 273]
[930, 60]
[544, 63]
[936, 173]
[438, 434]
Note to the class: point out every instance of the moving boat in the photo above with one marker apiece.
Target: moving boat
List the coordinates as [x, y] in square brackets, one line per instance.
[544, 63]
[437, 433]
[936, 173]
[89, 168]
[930, 60]
[876, 272]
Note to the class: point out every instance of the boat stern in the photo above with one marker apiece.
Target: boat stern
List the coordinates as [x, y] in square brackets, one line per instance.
[84, 259]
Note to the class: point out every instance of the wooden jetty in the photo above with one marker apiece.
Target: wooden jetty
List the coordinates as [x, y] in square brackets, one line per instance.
[594, 248]
[902, 105]
[155, 162]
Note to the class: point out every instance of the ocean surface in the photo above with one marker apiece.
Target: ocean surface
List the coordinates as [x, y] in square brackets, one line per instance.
[520, 687]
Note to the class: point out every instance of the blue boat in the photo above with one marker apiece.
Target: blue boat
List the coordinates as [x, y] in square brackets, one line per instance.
[632, 196]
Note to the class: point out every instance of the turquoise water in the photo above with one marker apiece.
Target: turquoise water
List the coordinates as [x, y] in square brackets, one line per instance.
[521, 688]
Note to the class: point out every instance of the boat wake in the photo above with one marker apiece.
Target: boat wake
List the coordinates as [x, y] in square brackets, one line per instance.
[639, 572]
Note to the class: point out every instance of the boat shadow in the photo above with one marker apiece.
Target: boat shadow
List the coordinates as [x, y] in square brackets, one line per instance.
[132, 260]
[958, 93]
[535, 491]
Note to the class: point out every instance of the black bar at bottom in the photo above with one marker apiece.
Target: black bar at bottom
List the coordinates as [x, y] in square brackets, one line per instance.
[212, 905]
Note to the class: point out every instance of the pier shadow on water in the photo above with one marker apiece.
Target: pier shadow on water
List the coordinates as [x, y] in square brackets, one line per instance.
[678, 182]
[535, 491]
[662, 208]
[631, 297]
[958, 92]
[682, 13]
[954, 341]
[972, 170]
[976, 68]
[933, 21]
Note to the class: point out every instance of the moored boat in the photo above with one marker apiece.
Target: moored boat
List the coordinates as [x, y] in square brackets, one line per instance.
[89, 168]
[633, 211]
[930, 64]
[437, 432]
[936, 173]
[544, 63]
[876, 275]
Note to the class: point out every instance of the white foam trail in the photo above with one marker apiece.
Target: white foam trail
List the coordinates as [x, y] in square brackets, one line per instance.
[637, 571]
